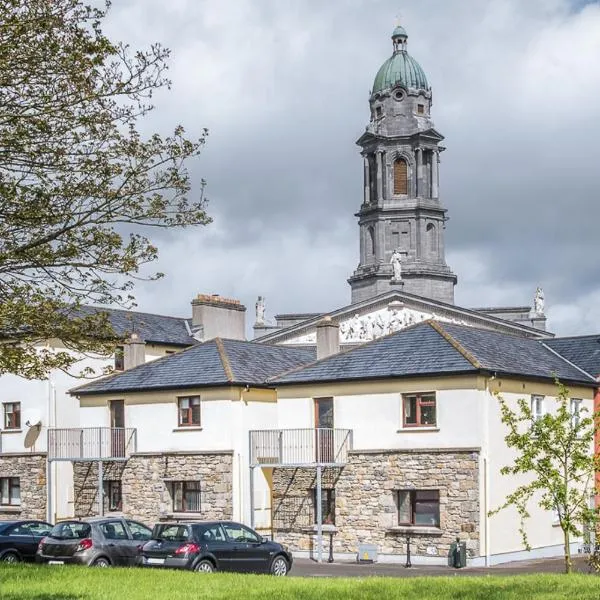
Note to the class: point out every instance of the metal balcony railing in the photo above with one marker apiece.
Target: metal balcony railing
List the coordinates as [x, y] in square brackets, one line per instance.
[300, 447]
[91, 443]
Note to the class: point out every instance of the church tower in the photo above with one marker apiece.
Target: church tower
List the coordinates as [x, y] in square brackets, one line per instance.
[401, 219]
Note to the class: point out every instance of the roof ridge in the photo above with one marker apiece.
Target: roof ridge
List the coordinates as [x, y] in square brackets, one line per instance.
[224, 359]
[347, 350]
[574, 337]
[455, 343]
[135, 312]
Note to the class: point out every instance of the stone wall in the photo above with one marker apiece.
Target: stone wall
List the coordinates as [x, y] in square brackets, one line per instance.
[366, 502]
[30, 468]
[145, 484]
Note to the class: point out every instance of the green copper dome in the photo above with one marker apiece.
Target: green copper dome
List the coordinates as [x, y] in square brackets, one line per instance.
[401, 68]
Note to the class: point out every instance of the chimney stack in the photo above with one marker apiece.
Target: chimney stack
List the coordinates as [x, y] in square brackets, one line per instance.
[328, 338]
[214, 316]
[134, 352]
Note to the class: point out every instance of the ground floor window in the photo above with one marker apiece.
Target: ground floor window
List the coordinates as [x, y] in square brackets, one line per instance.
[419, 508]
[327, 506]
[186, 496]
[112, 491]
[10, 491]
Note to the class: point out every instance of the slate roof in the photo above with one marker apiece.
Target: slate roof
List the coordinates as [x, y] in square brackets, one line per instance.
[158, 329]
[214, 363]
[584, 351]
[434, 348]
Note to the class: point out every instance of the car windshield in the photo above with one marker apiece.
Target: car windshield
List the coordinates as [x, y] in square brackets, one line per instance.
[171, 533]
[70, 530]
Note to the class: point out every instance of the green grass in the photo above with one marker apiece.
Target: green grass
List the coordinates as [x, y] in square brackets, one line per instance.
[23, 582]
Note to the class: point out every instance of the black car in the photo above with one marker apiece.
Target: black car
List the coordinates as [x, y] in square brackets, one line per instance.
[19, 539]
[214, 546]
[98, 542]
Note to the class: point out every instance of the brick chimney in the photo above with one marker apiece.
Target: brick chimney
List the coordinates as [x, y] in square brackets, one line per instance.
[134, 352]
[328, 338]
[214, 316]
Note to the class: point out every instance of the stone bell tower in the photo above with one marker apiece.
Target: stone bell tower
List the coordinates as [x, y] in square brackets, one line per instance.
[401, 219]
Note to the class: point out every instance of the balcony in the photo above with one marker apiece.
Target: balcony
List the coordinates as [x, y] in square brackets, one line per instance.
[299, 447]
[91, 443]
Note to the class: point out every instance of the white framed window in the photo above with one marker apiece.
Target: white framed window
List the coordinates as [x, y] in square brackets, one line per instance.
[575, 406]
[537, 407]
[10, 491]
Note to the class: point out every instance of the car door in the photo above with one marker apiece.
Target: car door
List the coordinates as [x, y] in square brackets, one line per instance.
[216, 542]
[139, 535]
[19, 539]
[250, 553]
[117, 543]
[38, 530]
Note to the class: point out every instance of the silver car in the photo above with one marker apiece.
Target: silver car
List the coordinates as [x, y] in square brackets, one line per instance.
[98, 542]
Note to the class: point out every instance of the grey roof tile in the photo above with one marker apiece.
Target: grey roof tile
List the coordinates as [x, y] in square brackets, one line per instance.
[584, 351]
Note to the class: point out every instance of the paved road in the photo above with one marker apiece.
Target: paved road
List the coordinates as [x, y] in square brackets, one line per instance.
[309, 568]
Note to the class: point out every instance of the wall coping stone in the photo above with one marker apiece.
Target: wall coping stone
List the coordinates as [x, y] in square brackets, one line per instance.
[15, 454]
[184, 453]
[415, 450]
[11, 509]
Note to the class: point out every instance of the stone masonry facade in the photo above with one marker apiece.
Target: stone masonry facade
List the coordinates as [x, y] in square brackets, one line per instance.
[146, 485]
[366, 502]
[30, 468]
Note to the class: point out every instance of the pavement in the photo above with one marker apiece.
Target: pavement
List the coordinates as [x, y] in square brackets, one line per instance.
[308, 568]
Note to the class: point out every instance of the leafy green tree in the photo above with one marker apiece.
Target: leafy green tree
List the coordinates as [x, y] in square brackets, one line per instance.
[556, 453]
[79, 183]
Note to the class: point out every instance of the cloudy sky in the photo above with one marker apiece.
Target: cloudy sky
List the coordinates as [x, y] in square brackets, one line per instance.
[283, 87]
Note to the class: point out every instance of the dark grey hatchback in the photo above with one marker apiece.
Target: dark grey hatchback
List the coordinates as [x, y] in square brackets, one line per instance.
[214, 546]
[98, 542]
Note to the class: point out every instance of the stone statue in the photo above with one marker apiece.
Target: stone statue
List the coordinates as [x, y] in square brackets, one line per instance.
[260, 310]
[538, 301]
[396, 262]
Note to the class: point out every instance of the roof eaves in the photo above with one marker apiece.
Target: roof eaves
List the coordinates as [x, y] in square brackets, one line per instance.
[455, 344]
[224, 360]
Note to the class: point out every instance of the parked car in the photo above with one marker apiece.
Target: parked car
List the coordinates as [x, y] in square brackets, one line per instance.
[214, 546]
[19, 539]
[98, 542]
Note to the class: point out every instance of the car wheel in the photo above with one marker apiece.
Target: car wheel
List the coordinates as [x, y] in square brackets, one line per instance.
[279, 566]
[11, 558]
[205, 566]
[101, 562]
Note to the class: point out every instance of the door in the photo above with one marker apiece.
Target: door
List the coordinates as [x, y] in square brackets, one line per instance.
[250, 553]
[218, 545]
[19, 538]
[118, 546]
[324, 430]
[117, 428]
[39, 530]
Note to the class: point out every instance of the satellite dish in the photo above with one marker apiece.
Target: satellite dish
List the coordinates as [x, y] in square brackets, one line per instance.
[32, 435]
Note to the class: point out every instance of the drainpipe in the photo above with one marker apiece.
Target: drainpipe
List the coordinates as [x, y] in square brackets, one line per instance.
[319, 517]
[597, 442]
[486, 468]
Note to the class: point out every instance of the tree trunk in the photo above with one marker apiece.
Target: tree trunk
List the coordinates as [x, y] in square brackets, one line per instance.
[568, 564]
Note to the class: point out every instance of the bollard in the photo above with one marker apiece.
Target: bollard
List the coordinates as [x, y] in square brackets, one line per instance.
[408, 564]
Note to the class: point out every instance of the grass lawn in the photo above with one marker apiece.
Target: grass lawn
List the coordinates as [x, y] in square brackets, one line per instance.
[24, 582]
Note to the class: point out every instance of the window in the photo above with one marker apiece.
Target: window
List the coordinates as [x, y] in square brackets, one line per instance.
[12, 415]
[39, 529]
[575, 406]
[537, 407]
[113, 530]
[421, 109]
[119, 358]
[400, 176]
[419, 508]
[419, 410]
[371, 241]
[239, 533]
[171, 533]
[189, 411]
[112, 491]
[139, 531]
[186, 496]
[213, 533]
[10, 491]
[378, 112]
[327, 506]
[431, 237]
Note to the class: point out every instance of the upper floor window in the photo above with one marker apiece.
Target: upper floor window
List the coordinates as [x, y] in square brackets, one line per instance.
[537, 407]
[10, 491]
[119, 358]
[189, 411]
[186, 496]
[575, 406]
[421, 109]
[400, 176]
[419, 508]
[378, 112]
[12, 415]
[327, 506]
[419, 410]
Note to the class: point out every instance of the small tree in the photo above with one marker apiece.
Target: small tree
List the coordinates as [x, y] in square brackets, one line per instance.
[79, 181]
[556, 452]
